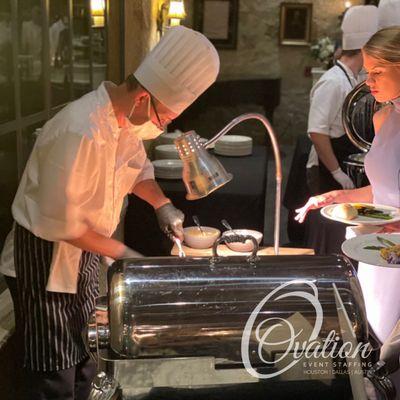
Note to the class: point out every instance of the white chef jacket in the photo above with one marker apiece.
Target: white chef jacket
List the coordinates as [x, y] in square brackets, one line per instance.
[54, 36]
[326, 101]
[80, 169]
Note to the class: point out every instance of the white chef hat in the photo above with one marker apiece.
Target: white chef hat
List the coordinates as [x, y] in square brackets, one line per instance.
[359, 24]
[180, 68]
[388, 13]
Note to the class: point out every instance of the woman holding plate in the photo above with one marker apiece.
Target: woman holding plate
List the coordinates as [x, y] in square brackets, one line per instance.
[382, 165]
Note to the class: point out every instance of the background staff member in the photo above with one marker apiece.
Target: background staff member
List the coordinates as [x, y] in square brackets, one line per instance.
[331, 145]
[85, 161]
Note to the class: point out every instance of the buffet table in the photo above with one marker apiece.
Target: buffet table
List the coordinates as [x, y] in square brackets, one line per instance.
[223, 250]
[241, 202]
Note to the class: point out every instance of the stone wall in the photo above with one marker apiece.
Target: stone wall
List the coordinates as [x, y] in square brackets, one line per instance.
[138, 37]
[259, 54]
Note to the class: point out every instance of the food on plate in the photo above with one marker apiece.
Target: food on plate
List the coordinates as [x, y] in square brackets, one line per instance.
[389, 251]
[391, 254]
[371, 212]
[344, 211]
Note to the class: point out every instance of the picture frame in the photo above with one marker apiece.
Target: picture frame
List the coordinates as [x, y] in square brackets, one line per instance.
[218, 21]
[295, 24]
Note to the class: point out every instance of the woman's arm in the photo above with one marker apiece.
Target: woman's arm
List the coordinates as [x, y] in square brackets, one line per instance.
[363, 194]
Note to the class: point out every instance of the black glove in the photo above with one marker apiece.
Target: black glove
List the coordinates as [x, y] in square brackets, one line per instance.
[170, 220]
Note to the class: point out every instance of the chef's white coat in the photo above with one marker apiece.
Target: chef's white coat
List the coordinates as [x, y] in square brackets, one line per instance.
[326, 101]
[80, 169]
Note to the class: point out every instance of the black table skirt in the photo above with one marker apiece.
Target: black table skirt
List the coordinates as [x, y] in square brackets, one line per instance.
[324, 235]
[241, 202]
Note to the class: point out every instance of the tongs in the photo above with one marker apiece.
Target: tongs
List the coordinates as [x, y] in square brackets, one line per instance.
[177, 241]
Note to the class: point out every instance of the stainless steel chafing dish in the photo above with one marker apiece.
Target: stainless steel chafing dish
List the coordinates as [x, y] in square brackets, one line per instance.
[358, 110]
[187, 316]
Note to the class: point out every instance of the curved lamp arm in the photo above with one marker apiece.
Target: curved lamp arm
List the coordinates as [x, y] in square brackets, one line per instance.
[278, 163]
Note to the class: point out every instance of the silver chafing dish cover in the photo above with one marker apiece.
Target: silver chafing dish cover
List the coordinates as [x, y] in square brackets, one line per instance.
[170, 307]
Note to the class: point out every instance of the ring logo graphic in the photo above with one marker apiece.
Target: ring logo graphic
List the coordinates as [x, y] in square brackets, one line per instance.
[312, 348]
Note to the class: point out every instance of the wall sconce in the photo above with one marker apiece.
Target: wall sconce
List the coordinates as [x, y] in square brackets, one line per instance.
[176, 12]
[347, 4]
[172, 10]
[97, 8]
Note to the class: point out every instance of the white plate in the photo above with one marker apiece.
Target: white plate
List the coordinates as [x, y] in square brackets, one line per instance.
[361, 220]
[354, 248]
[235, 140]
[168, 169]
[168, 138]
[166, 151]
[168, 164]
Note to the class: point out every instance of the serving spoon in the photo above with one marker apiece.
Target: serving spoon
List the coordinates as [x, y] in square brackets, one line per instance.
[197, 222]
[226, 224]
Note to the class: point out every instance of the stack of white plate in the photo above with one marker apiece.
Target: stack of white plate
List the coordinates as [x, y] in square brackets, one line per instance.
[166, 152]
[168, 138]
[234, 146]
[168, 169]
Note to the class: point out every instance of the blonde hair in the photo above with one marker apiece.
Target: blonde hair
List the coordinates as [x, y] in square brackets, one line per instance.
[385, 46]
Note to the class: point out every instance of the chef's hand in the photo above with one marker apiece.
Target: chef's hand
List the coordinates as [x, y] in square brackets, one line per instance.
[394, 227]
[129, 253]
[343, 179]
[315, 202]
[170, 219]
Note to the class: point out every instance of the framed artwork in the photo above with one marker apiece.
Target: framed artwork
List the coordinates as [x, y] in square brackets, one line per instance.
[218, 20]
[295, 24]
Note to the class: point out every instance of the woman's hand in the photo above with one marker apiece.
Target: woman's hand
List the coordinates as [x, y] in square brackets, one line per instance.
[319, 201]
[394, 227]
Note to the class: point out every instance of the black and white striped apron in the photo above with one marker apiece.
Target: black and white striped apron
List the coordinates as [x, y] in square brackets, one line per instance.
[52, 322]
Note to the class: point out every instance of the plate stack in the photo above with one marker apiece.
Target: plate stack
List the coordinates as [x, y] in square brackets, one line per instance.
[234, 146]
[168, 169]
[168, 138]
[166, 152]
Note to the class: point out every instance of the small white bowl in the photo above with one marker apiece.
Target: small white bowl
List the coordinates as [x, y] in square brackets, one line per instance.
[194, 237]
[248, 245]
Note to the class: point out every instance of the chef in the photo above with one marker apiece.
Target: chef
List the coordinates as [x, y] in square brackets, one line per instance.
[331, 146]
[86, 159]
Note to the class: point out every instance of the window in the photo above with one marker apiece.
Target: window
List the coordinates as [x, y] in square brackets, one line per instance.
[51, 52]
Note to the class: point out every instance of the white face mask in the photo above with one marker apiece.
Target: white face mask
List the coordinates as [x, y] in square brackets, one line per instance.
[146, 131]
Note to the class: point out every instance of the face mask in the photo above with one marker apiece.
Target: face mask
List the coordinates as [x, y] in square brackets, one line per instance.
[146, 131]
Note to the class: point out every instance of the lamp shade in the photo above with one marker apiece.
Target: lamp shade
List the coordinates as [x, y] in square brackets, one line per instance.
[176, 9]
[202, 172]
[97, 8]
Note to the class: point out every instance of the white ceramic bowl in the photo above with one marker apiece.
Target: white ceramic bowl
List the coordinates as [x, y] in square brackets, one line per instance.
[194, 237]
[248, 245]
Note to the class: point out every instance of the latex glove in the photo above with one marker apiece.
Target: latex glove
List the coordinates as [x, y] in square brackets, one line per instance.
[129, 253]
[315, 202]
[170, 219]
[343, 179]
